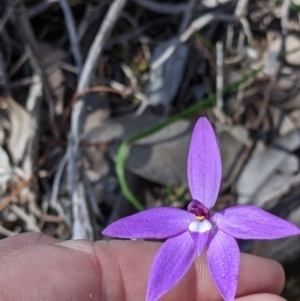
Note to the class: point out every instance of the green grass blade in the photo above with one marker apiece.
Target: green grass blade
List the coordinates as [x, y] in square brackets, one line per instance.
[125, 145]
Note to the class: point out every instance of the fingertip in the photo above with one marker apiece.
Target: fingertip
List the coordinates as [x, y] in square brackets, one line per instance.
[261, 297]
[260, 275]
[257, 275]
[280, 274]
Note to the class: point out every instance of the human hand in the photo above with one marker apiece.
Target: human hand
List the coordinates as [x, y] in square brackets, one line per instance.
[36, 267]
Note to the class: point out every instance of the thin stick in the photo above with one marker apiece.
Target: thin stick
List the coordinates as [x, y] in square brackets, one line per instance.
[82, 227]
[219, 83]
[95, 89]
[55, 190]
[5, 17]
[195, 26]
[30, 222]
[162, 8]
[55, 186]
[90, 192]
[72, 33]
[3, 77]
[240, 13]
[99, 42]
[240, 9]
[128, 72]
[4, 203]
[33, 98]
[32, 47]
[39, 8]
[247, 30]
[188, 15]
[285, 16]
[6, 232]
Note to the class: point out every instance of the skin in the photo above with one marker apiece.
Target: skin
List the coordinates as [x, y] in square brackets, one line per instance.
[36, 267]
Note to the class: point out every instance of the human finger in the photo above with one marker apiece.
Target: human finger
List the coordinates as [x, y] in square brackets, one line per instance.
[115, 270]
[261, 297]
[29, 238]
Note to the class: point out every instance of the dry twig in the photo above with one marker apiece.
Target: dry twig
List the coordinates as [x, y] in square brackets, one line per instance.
[162, 8]
[29, 220]
[219, 81]
[82, 93]
[195, 26]
[4, 203]
[39, 8]
[188, 15]
[285, 16]
[5, 17]
[29, 40]
[3, 77]
[82, 226]
[72, 33]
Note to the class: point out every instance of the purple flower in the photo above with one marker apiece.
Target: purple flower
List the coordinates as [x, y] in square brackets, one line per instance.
[189, 232]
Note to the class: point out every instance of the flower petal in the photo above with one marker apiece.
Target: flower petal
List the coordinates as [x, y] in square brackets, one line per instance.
[204, 164]
[171, 262]
[249, 222]
[223, 258]
[153, 223]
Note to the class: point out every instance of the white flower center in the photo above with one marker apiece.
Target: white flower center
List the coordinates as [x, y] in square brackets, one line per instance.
[200, 227]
